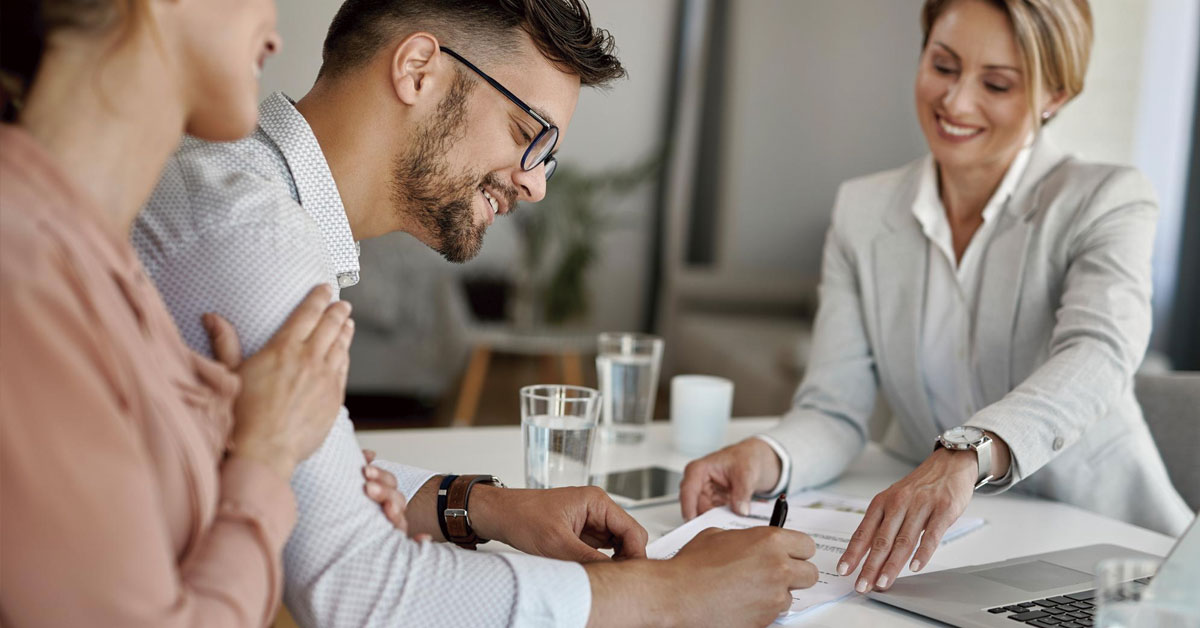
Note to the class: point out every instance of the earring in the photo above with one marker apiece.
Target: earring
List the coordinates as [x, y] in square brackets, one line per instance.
[1045, 115]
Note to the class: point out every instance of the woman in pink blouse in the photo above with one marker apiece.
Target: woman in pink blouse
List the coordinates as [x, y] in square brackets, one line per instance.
[141, 484]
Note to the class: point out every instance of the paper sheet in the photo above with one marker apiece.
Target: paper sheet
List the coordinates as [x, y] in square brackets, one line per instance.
[830, 523]
[842, 503]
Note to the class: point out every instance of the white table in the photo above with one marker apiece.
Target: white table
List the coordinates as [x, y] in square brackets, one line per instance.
[1016, 525]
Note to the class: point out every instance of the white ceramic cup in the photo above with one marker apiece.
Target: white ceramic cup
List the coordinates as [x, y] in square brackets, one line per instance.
[700, 407]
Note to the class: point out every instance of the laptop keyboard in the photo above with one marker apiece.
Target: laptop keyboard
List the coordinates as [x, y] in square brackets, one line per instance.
[1074, 610]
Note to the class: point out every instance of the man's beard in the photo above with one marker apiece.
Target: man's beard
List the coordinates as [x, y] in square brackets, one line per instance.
[421, 185]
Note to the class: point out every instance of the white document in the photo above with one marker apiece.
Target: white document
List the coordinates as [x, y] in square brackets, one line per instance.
[829, 524]
[842, 503]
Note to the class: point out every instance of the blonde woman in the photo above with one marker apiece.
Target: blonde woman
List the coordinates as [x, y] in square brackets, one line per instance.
[995, 292]
[141, 484]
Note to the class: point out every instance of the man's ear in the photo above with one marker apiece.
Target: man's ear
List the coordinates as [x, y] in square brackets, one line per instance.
[416, 61]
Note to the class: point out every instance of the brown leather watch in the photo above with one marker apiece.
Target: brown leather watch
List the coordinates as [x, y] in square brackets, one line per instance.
[454, 494]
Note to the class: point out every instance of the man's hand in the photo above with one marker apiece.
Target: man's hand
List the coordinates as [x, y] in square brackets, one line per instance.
[921, 506]
[565, 523]
[729, 476]
[720, 578]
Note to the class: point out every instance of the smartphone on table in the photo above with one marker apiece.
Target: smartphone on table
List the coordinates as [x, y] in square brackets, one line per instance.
[640, 487]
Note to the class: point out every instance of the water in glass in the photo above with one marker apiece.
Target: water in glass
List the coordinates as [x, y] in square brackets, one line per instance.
[557, 451]
[630, 383]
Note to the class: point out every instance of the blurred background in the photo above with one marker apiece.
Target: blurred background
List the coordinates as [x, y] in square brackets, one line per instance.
[692, 200]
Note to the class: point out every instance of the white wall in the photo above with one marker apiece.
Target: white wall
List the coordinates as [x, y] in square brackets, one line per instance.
[610, 128]
[1101, 123]
[302, 24]
[819, 92]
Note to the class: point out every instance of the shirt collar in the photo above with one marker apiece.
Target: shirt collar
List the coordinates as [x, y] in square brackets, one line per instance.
[928, 208]
[318, 193]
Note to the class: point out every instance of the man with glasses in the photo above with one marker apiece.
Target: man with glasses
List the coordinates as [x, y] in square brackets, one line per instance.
[403, 131]
[541, 147]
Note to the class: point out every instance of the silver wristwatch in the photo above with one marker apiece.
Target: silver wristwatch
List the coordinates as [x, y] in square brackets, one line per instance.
[966, 437]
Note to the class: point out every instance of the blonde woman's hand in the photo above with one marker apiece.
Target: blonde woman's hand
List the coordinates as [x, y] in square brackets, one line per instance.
[292, 388]
[729, 476]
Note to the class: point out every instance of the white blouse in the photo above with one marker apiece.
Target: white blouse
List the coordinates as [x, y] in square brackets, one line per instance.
[948, 359]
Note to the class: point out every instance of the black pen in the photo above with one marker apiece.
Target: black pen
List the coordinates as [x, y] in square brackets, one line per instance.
[779, 515]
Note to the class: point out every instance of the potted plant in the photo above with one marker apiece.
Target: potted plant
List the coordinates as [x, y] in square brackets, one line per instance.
[560, 239]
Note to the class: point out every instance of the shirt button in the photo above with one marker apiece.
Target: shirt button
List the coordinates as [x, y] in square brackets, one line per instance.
[1058, 443]
[345, 281]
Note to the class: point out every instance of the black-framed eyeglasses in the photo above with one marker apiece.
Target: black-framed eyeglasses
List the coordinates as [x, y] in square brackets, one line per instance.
[542, 146]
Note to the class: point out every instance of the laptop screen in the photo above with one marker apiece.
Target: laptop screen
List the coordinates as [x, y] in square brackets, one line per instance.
[1178, 577]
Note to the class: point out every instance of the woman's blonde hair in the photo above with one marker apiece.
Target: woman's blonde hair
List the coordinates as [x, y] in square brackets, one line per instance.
[1054, 37]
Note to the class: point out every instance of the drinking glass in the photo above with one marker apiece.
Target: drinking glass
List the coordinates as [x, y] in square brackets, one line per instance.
[1120, 592]
[627, 369]
[559, 426]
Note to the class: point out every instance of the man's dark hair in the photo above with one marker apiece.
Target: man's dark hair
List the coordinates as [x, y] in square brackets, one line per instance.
[562, 30]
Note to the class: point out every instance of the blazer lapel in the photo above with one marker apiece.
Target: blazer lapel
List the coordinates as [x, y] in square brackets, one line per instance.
[899, 264]
[1003, 271]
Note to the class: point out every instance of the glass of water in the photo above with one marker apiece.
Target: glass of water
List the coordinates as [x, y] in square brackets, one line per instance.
[627, 369]
[1121, 600]
[559, 425]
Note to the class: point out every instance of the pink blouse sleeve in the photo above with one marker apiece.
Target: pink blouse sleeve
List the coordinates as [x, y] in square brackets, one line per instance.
[84, 534]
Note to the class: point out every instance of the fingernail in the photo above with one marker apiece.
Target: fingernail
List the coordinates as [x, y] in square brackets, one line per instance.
[743, 508]
[373, 489]
[916, 565]
[882, 582]
[861, 587]
[843, 569]
[371, 471]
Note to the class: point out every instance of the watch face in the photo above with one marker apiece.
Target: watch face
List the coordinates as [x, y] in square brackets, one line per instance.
[962, 435]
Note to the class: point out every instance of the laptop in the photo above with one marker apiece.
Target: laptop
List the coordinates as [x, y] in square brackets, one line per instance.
[1055, 589]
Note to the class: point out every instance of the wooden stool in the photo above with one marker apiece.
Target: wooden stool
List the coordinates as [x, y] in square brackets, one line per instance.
[560, 355]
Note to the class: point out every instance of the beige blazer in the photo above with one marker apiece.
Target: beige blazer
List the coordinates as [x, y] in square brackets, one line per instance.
[1062, 324]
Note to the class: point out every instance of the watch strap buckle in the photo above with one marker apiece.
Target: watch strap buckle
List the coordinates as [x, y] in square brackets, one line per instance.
[454, 495]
